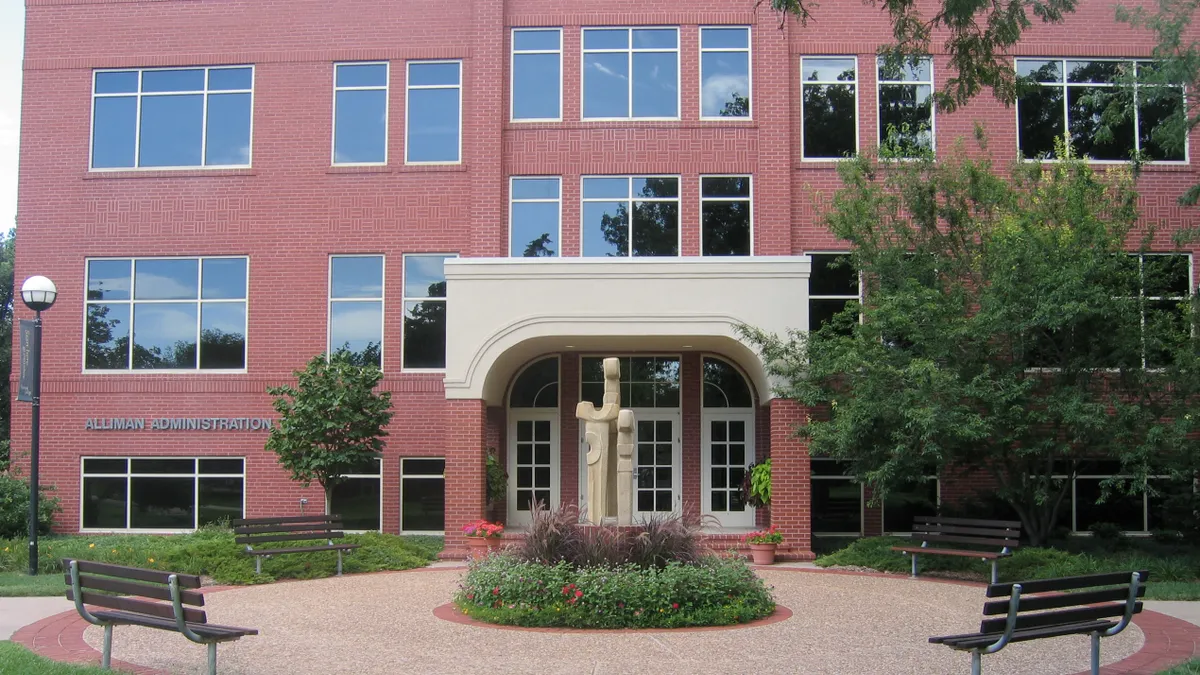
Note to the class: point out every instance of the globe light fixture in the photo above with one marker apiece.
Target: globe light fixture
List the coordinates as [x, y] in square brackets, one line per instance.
[38, 293]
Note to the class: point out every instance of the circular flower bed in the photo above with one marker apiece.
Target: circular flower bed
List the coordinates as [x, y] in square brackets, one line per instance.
[504, 589]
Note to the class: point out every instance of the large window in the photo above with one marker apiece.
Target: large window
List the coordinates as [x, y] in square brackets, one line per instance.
[425, 311]
[646, 381]
[434, 115]
[171, 117]
[832, 285]
[358, 497]
[1073, 96]
[829, 107]
[360, 113]
[905, 107]
[1082, 506]
[356, 307]
[537, 74]
[724, 72]
[535, 221]
[422, 495]
[166, 314]
[1165, 284]
[725, 215]
[630, 216]
[837, 499]
[168, 493]
[630, 73]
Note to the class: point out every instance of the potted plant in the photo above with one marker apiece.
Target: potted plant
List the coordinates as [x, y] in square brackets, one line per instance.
[483, 537]
[756, 486]
[497, 484]
[763, 544]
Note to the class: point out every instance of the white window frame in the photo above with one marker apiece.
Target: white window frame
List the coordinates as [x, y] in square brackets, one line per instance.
[1145, 497]
[512, 202]
[811, 297]
[705, 200]
[137, 138]
[879, 82]
[381, 300]
[1143, 298]
[856, 85]
[512, 73]
[129, 475]
[409, 87]
[629, 51]
[862, 500]
[387, 106]
[199, 318]
[1064, 85]
[406, 298]
[420, 476]
[749, 49]
[365, 476]
[629, 200]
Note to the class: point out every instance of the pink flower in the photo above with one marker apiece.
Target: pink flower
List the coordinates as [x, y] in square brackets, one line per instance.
[674, 605]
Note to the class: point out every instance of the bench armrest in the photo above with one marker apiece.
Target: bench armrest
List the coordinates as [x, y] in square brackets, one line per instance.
[177, 601]
[1130, 605]
[78, 593]
[1010, 623]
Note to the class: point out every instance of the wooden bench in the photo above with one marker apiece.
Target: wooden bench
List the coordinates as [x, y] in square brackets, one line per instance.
[1093, 610]
[92, 583]
[256, 531]
[971, 534]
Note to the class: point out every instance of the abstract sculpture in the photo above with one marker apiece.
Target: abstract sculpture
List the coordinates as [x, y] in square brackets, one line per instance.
[609, 435]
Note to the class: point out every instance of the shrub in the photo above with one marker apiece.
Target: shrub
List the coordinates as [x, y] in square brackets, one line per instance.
[507, 590]
[1107, 532]
[14, 507]
[1167, 537]
[558, 536]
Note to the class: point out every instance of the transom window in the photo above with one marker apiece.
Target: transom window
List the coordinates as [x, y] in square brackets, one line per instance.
[536, 386]
[171, 117]
[356, 307]
[646, 381]
[434, 116]
[630, 216]
[905, 107]
[725, 210]
[829, 107]
[360, 113]
[167, 493]
[1071, 97]
[425, 311]
[832, 285]
[725, 72]
[537, 74]
[166, 314]
[724, 386]
[630, 73]
[358, 496]
[535, 219]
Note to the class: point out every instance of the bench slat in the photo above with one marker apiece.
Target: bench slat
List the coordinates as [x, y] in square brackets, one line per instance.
[219, 633]
[990, 555]
[995, 532]
[975, 640]
[294, 527]
[952, 539]
[288, 537]
[304, 549]
[1065, 583]
[318, 518]
[116, 585]
[1040, 602]
[138, 606]
[1062, 616]
[185, 580]
[969, 522]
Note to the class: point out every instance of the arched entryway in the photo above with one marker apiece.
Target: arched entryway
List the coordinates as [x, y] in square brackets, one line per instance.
[726, 443]
[533, 441]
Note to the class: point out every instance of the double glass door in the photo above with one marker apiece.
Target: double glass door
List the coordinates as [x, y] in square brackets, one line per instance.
[657, 484]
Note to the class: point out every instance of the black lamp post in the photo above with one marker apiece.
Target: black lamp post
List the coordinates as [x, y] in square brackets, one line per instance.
[38, 293]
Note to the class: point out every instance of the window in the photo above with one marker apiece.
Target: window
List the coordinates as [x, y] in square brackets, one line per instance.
[724, 72]
[535, 219]
[422, 495]
[1165, 284]
[536, 386]
[434, 115]
[166, 314]
[646, 381]
[837, 499]
[169, 493]
[537, 74]
[725, 215]
[425, 311]
[171, 117]
[630, 216]
[832, 286]
[630, 73]
[1142, 512]
[356, 307]
[1071, 96]
[905, 107]
[360, 113]
[358, 497]
[905, 502]
[829, 107]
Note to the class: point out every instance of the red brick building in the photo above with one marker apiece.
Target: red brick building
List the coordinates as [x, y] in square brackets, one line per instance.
[485, 199]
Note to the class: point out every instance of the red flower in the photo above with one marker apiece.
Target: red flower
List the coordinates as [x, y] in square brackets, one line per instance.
[496, 591]
[674, 605]
[579, 594]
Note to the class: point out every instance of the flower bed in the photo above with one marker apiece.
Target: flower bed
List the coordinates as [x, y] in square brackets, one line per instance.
[503, 589]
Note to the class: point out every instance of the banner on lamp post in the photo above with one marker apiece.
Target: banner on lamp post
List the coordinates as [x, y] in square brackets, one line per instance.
[28, 351]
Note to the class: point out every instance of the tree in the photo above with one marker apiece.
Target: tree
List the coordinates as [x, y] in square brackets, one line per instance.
[332, 421]
[1004, 330]
[7, 253]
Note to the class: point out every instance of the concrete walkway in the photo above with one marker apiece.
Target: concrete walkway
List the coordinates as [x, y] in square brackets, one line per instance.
[1188, 610]
[20, 612]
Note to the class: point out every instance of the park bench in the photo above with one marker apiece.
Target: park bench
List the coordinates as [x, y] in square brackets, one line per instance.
[94, 583]
[1100, 605]
[256, 531]
[974, 538]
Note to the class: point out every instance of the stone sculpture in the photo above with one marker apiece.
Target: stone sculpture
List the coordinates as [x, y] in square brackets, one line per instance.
[609, 435]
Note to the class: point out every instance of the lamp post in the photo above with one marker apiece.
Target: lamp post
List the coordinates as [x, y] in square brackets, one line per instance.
[38, 293]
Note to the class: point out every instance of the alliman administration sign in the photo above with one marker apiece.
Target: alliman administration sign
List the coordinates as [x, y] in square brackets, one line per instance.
[178, 424]
[28, 348]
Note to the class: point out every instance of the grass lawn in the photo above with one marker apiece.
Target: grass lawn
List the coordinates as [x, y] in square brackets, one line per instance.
[1190, 668]
[20, 584]
[17, 660]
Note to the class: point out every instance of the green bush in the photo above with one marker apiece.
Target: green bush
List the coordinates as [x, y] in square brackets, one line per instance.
[1110, 533]
[506, 590]
[556, 536]
[14, 507]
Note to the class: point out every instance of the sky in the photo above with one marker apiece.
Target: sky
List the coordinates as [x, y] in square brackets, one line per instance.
[12, 41]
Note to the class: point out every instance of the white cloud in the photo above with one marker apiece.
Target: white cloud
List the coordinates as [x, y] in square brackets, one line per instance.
[720, 88]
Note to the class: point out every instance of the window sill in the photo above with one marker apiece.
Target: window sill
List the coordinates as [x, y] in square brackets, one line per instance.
[141, 372]
[366, 168]
[426, 168]
[1148, 167]
[634, 124]
[166, 173]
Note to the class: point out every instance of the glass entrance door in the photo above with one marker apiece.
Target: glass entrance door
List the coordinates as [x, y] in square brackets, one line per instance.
[532, 464]
[656, 465]
[728, 449]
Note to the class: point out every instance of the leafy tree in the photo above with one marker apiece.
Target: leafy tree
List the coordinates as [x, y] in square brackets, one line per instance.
[425, 330]
[1004, 330]
[7, 252]
[331, 422]
[539, 248]
[655, 224]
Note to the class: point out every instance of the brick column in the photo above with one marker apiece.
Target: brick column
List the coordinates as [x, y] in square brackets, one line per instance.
[791, 480]
[466, 423]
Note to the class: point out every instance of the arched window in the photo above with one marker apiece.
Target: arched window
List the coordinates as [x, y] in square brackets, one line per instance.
[724, 386]
[536, 386]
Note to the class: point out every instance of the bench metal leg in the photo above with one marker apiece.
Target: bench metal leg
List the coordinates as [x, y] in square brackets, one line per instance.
[258, 564]
[914, 565]
[339, 572]
[976, 662]
[995, 574]
[106, 655]
[1095, 654]
[212, 658]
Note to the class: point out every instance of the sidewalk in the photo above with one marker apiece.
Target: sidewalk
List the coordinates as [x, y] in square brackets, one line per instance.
[20, 612]
[1188, 610]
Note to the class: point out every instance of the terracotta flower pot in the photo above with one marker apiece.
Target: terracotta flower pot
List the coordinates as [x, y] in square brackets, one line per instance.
[763, 554]
[480, 547]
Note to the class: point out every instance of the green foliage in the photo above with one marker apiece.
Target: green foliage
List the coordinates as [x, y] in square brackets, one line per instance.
[332, 421]
[8, 245]
[497, 478]
[20, 585]
[1109, 533]
[14, 507]
[506, 590]
[757, 484]
[558, 536]
[17, 660]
